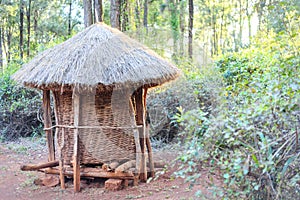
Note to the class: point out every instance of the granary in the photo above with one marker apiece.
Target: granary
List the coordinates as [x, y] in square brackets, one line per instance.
[98, 80]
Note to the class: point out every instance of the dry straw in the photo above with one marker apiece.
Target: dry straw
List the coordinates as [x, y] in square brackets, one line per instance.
[99, 55]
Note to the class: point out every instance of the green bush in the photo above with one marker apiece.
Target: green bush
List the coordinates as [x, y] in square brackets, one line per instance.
[19, 110]
[252, 135]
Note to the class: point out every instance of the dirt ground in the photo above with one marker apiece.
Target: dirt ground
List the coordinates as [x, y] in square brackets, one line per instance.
[17, 185]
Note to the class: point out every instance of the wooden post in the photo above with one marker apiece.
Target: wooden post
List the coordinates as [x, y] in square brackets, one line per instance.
[138, 156]
[140, 111]
[147, 137]
[48, 124]
[76, 160]
[62, 142]
[61, 161]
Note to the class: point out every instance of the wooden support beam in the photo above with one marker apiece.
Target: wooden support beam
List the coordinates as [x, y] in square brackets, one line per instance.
[140, 120]
[150, 155]
[47, 124]
[62, 136]
[138, 155]
[39, 166]
[76, 160]
[147, 137]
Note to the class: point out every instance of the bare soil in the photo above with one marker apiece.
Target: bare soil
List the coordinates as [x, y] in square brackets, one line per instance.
[17, 185]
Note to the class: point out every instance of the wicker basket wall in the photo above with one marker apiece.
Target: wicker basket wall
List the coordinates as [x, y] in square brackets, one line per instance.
[109, 116]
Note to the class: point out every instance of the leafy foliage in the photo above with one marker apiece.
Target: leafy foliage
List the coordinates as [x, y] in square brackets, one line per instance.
[253, 135]
[19, 110]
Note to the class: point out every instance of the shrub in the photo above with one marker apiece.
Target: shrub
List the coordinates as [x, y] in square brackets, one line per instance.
[19, 110]
[252, 136]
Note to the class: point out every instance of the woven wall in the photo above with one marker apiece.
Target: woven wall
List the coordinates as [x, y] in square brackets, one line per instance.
[108, 115]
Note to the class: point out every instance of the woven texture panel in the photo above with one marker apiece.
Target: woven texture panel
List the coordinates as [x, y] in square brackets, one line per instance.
[106, 126]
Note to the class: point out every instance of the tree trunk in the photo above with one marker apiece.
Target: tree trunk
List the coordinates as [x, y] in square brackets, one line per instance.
[1, 52]
[21, 28]
[221, 28]
[99, 10]
[182, 23]
[249, 21]
[174, 27]
[191, 19]
[88, 13]
[145, 21]
[5, 51]
[137, 14]
[124, 18]
[8, 37]
[70, 18]
[115, 14]
[240, 23]
[28, 13]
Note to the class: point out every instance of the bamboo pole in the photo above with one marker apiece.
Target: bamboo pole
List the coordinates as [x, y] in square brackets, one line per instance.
[47, 124]
[76, 160]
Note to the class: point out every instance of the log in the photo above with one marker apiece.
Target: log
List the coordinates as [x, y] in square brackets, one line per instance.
[39, 166]
[125, 166]
[91, 172]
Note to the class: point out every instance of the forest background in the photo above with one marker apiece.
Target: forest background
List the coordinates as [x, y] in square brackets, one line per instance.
[240, 65]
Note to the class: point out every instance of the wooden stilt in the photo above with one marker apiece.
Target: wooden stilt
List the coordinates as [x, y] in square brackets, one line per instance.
[47, 124]
[138, 156]
[150, 155]
[61, 161]
[140, 108]
[147, 137]
[62, 142]
[76, 160]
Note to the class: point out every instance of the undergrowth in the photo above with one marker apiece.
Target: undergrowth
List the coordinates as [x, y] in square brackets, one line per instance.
[251, 132]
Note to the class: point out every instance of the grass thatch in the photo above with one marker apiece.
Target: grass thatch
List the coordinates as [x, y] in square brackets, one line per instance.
[97, 55]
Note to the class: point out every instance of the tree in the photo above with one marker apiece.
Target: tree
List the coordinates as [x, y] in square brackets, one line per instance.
[137, 14]
[21, 26]
[70, 18]
[182, 24]
[28, 14]
[124, 15]
[88, 12]
[1, 52]
[145, 22]
[191, 18]
[115, 14]
[98, 11]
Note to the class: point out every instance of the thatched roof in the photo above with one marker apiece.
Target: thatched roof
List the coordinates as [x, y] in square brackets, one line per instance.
[97, 55]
